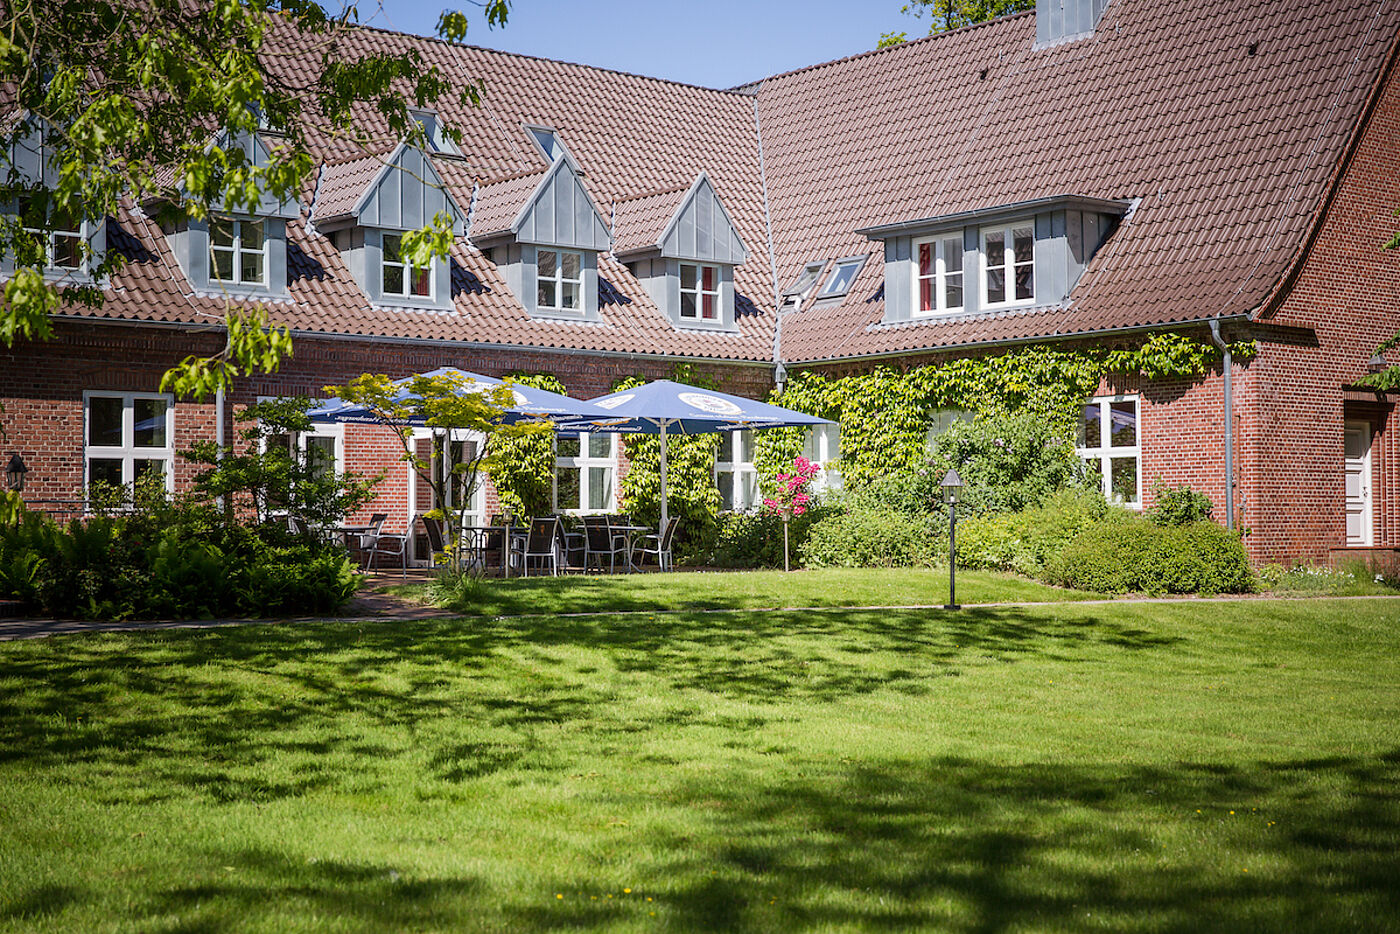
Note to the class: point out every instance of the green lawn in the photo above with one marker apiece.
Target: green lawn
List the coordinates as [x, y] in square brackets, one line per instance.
[1183, 767]
[738, 590]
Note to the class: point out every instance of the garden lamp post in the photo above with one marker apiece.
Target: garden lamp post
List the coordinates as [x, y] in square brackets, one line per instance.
[14, 473]
[951, 484]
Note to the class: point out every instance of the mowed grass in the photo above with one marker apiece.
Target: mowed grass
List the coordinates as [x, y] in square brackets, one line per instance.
[1194, 766]
[737, 590]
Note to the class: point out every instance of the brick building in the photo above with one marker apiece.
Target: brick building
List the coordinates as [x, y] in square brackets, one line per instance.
[1091, 172]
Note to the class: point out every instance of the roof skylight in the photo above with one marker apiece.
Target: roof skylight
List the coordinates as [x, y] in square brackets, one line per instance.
[843, 276]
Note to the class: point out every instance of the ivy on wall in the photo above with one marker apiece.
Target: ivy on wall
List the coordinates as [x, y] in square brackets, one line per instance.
[524, 470]
[885, 413]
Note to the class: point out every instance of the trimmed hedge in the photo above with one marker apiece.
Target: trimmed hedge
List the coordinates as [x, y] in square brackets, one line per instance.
[1135, 556]
[872, 537]
[1023, 542]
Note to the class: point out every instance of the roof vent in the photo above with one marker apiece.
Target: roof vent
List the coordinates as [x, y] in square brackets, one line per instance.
[1059, 21]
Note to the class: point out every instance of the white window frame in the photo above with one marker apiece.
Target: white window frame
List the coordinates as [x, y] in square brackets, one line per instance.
[409, 269]
[237, 251]
[831, 287]
[700, 293]
[822, 445]
[127, 452]
[1008, 267]
[938, 279]
[51, 237]
[584, 463]
[739, 474]
[332, 430]
[1106, 451]
[560, 280]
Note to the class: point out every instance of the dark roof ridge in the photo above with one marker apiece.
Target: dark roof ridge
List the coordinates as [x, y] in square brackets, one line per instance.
[553, 61]
[986, 24]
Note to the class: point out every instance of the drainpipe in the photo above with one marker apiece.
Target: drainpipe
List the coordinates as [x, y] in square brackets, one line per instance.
[1229, 426]
[219, 420]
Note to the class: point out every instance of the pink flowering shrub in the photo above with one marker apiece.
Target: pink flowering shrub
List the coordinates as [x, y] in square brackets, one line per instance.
[793, 495]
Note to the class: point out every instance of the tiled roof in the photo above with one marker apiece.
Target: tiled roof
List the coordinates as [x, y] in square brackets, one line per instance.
[1225, 121]
[642, 219]
[1228, 149]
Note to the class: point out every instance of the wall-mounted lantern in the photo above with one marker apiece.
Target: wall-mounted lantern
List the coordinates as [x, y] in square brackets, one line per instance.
[14, 473]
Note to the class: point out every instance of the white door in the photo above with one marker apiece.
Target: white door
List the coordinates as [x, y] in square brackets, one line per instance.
[1358, 467]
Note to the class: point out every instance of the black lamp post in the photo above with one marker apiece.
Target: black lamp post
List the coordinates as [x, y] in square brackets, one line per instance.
[14, 473]
[951, 484]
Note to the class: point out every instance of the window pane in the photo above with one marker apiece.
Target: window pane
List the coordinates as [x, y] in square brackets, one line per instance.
[251, 232]
[67, 251]
[1024, 244]
[748, 489]
[222, 261]
[996, 249]
[742, 445]
[1095, 470]
[570, 295]
[573, 265]
[688, 277]
[221, 233]
[567, 447]
[568, 488]
[953, 296]
[600, 445]
[144, 468]
[725, 454]
[925, 259]
[1123, 479]
[1025, 282]
[548, 263]
[105, 470]
[926, 295]
[1123, 418]
[393, 279]
[1089, 425]
[996, 286]
[391, 248]
[707, 278]
[708, 309]
[724, 479]
[952, 255]
[252, 267]
[422, 281]
[105, 422]
[599, 487]
[320, 455]
[547, 294]
[687, 304]
[149, 430]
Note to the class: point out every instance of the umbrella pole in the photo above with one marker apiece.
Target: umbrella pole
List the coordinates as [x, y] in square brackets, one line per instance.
[662, 530]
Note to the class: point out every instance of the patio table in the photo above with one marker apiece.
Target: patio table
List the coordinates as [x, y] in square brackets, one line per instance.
[630, 534]
[514, 539]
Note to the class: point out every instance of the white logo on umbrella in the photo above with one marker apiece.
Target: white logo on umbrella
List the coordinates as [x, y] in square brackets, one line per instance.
[712, 404]
[615, 401]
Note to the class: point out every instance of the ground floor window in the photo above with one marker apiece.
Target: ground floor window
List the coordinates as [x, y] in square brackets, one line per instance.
[1110, 443]
[823, 446]
[127, 436]
[584, 470]
[734, 472]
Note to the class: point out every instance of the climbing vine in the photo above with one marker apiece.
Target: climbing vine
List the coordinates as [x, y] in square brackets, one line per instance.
[885, 413]
[524, 469]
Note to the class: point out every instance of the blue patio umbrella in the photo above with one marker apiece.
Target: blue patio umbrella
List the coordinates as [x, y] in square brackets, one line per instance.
[663, 407]
[530, 403]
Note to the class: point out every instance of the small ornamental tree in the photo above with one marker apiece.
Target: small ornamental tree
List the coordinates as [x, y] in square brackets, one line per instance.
[442, 402]
[794, 496]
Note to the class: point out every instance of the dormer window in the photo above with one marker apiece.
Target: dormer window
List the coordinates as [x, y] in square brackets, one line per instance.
[797, 293]
[1008, 265]
[434, 136]
[399, 277]
[547, 142]
[560, 280]
[700, 293]
[237, 251]
[843, 276]
[939, 275]
[63, 241]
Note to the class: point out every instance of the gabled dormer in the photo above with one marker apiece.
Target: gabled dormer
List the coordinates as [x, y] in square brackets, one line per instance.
[239, 251]
[683, 246]
[544, 233]
[73, 244]
[366, 205]
[1006, 258]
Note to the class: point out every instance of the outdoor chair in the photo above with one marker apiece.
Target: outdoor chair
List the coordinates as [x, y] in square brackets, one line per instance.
[364, 541]
[660, 545]
[575, 543]
[543, 543]
[390, 543]
[437, 542]
[600, 540]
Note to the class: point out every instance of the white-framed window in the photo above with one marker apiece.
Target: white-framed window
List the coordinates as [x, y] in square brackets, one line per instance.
[323, 447]
[1008, 265]
[942, 420]
[63, 244]
[843, 276]
[400, 278]
[584, 470]
[938, 275]
[699, 292]
[1110, 441]
[127, 436]
[823, 446]
[237, 251]
[735, 475]
[560, 283]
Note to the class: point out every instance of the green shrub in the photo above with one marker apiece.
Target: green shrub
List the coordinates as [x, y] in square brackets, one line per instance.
[755, 540]
[1024, 541]
[1008, 462]
[872, 536]
[1178, 505]
[1138, 556]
